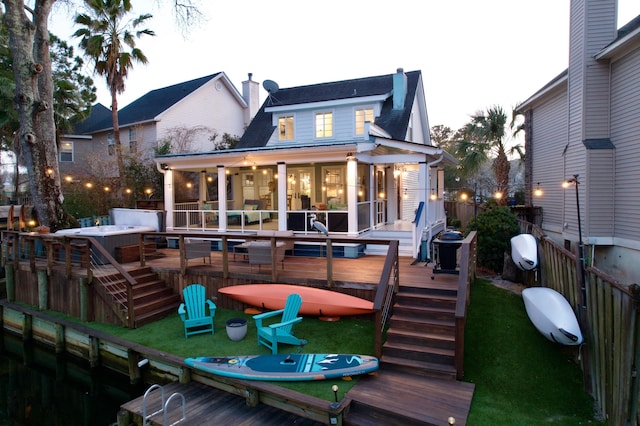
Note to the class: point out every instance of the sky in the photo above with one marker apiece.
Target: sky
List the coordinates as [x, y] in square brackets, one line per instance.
[472, 54]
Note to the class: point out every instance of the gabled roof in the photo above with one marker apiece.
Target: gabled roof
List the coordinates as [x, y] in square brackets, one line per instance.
[395, 122]
[99, 113]
[151, 105]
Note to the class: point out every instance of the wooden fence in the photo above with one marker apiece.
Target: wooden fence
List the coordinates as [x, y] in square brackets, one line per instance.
[609, 318]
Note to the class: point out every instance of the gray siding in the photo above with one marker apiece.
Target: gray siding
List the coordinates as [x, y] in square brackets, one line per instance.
[598, 206]
[625, 135]
[549, 131]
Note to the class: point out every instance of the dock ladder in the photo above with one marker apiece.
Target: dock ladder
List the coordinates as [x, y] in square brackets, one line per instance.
[163, 406]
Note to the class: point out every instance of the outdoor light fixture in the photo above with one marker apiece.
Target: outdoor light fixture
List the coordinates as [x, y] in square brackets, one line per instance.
[89, 185]
[464, 196]
[498, 195]
[538, 191]
[334, 388]
[433, 195]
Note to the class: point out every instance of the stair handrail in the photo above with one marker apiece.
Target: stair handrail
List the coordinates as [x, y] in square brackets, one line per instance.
[467, 275]
[386, 289]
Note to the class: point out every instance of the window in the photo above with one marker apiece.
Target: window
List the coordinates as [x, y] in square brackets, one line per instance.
[285, 128]
[111, 144]
[66, 152]
[133, 140]
[324, 125]
[363, 115]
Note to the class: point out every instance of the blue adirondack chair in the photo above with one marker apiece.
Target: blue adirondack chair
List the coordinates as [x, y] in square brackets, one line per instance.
[271, 335]
[193, 311]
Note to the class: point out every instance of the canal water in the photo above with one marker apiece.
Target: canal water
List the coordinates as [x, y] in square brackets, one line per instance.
[38, 387]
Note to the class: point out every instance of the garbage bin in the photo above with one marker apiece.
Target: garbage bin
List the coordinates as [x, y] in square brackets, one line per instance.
[448, 243]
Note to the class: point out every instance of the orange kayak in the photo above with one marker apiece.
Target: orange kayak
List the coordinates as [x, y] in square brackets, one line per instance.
[315, 301]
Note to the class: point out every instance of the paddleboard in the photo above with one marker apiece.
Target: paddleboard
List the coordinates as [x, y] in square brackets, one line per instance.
[315, 301]
[286, 367]
[524, 251]
[552, 315]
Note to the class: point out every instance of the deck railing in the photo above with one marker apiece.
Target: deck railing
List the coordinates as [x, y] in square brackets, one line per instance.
[103, 273]
[386, 290]
[466, 277]
[610, 321]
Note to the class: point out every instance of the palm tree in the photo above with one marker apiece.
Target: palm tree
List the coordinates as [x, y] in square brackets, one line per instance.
[105, 34]
[484, 138]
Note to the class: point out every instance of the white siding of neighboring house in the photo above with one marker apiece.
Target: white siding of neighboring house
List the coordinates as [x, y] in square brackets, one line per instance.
[549, 124]
[206, 106]
[625, 128]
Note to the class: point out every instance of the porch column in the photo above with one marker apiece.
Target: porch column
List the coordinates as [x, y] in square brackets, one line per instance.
[282, 196]
[222, 198]
[372, 196]
[352, 195]
[169, 198]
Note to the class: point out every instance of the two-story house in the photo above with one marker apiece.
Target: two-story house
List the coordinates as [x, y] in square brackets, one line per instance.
[355, 153]
[586, 122]
[193, 115]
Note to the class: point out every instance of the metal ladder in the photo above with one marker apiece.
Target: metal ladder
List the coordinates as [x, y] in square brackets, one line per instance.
[163, 408]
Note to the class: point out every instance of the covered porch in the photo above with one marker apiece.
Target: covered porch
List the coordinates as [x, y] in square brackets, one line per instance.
[354, 189]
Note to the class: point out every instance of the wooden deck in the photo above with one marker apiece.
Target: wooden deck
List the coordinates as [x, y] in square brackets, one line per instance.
[302, 269]
[209, 406]
[398, 398]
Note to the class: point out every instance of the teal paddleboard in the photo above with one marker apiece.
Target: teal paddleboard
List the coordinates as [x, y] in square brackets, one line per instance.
[286, 367]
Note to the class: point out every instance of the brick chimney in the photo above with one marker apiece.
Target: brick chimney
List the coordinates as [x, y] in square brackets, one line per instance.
[250, 92]
[399, 89]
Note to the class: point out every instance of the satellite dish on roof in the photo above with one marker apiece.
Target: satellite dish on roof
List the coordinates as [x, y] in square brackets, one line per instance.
[270, 86]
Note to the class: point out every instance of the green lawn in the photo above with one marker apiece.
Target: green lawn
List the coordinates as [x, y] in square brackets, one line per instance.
[521, 378]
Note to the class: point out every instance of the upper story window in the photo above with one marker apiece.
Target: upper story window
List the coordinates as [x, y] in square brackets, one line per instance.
[133, 140]
[285, 128]
[324, 124]
[111, 144]
[363, 115]
[66, 152]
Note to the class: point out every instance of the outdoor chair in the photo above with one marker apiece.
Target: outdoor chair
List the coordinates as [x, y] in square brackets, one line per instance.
[193, 311]
[280, 332]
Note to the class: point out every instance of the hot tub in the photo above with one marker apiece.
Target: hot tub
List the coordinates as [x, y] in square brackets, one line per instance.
[109, 236]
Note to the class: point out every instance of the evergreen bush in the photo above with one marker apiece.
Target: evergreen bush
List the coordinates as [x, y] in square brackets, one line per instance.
[495, 229]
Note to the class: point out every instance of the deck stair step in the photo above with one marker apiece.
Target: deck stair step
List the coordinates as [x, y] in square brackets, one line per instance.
[421, 335]
[152, 298]
[398, 398]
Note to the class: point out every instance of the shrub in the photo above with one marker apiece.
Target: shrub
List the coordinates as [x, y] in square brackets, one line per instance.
[495, 229]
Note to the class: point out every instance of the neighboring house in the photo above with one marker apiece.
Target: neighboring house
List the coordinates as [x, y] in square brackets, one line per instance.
[188, 113]
[357, 153]
[586, 122]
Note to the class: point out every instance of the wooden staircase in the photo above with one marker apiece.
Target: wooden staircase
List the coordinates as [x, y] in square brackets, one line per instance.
[416, 383]
[152, 298]
[421, 335]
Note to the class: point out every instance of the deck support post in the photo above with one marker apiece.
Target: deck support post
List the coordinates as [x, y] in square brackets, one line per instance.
[84, 299]
[27, 327]
[10, 282]
[134, 369]
[184, 375]
[123, 418]
[43, 289]
[252, 397]
[59, 338]
[94, 351]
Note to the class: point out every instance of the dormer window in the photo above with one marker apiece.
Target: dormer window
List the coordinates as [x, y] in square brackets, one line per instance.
[324, 125]
[363, 115]
[285, 128]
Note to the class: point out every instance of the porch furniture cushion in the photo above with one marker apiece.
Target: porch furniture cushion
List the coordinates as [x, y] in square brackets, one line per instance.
[195, 248]
[260, 252]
